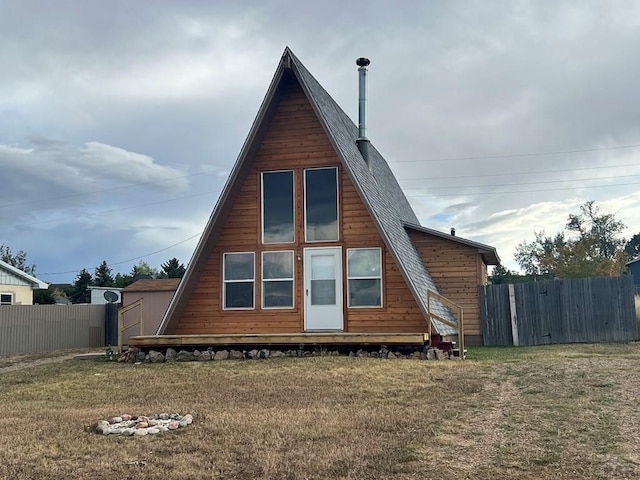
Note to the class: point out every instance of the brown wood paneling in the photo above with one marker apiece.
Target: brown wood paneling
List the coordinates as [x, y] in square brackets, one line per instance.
[455, 269]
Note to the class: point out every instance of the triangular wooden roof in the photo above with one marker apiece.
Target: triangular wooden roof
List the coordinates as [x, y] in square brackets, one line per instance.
[22, 277]
[376, 184]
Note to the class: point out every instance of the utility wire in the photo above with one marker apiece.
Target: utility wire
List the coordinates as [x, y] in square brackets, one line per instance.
[131, 259]
[515, 155]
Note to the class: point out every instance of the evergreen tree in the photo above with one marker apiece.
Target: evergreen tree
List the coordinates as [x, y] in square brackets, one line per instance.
[102, 276]
[80, 291]
[172, 269]
[143, 270]
[122, 281]
[632, 248]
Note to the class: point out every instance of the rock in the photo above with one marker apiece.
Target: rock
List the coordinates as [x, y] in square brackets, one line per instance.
[188, 418]
[440, 355]
[276, 353]
[173, 425]
[235, 354]
[153, 422]
[170, 356]
[163, 416]
[141, 356]
[196, 354]
[264, 353]
[142, 425]
[253, 353]
[103, 427]
[184, 356]
[153, 431]
[183, 423]
[205, 356]
[140, 432]
[126, 417]
[156, 357]
[162, 428]
[431, 354]
[221, 355]
[116, 431]
[391, 355]
[128, 432]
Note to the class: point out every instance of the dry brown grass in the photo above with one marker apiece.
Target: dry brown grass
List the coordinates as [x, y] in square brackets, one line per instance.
[549, 412]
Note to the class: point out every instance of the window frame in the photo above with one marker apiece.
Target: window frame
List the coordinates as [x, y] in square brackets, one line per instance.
[293, 205]
[380, 277]
[304, 187]
[11, 297]
[225, 281]
[283, 279]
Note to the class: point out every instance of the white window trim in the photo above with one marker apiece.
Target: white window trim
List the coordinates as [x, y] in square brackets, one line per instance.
[11, 295]
[225, 281]
[292, 280]
[293, 179]
[304, 186]
[365, 278]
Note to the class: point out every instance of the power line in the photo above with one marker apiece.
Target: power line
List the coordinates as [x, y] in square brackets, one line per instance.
[516, 155]
[523, 183]
[505, 174]
[520, 191]
[131, 259]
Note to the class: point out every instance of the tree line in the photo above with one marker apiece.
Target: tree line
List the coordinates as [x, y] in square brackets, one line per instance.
[102, 276]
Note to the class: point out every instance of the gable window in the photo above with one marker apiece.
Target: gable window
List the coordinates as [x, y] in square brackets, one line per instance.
[277, 207]
[6, 298]
[364, 277]
[277, 279]
[238, 274]
[321, 204]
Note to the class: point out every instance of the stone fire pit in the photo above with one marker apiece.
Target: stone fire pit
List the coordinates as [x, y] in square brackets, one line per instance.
[128, 425]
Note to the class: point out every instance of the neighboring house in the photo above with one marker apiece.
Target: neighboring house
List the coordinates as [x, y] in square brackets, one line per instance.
[102, 295]
[156, 295]
[634, 270]
[312, 233]
[16, 286]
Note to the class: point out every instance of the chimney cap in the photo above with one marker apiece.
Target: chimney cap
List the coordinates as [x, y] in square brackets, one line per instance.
[363, 62]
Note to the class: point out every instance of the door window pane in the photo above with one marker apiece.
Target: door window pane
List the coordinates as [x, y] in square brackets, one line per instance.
[321, 204]
[364, 277]
[277, 279]
[238, 280]
[277, 207]
[323, 292]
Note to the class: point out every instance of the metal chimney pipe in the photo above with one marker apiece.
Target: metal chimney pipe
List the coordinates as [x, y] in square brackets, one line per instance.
[363, 141]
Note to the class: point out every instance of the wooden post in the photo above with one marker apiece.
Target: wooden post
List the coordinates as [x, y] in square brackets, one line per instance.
[514, 316]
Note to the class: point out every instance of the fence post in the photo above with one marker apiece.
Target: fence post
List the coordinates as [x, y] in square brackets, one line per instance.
[514, 315]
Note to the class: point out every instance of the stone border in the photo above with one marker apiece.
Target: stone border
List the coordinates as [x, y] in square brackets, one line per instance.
[128, 425]
[135, 355]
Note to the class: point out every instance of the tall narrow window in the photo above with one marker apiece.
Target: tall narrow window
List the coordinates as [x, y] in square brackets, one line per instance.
[238, 274]
[321, 204]
[6, 298]
[364, 276]
[277, 207]
[277, 279]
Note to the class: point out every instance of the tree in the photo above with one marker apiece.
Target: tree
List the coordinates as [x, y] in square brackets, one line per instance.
[172, 269]
[122, 281]
[143, 270]
[44, 297]
[591, 246]
[80, 291]
[502, 275]
[102, 276]
[632, 248]
[19, 260]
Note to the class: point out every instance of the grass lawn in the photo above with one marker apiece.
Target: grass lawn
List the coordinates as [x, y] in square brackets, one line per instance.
[562, 412]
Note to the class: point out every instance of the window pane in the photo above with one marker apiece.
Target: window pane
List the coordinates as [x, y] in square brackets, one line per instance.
[322, 267]
[277, 206]
[6, 299]
[363, 262]
[323, 292]
[277, 265]
[238, 295]
[238, 266]
[364, 293]
[321, 197]
[278, 294]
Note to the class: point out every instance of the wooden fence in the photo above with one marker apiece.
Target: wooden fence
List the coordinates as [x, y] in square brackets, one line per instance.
[41, 328]
[576, 310]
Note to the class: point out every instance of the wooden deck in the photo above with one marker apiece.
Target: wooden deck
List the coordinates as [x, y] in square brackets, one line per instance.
[294, 339]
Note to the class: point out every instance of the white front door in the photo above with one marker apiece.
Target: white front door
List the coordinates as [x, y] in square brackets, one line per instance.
[323, 288]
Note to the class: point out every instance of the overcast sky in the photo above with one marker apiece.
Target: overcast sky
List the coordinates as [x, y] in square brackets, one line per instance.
[120, 120]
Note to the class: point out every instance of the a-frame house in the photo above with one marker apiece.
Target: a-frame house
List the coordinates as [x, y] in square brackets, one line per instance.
[311, 239]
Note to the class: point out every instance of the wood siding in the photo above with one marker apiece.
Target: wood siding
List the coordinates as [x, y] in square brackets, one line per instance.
[457, 271]
[295, 141]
